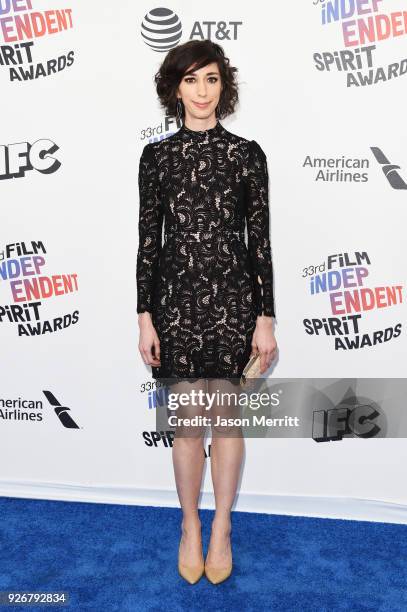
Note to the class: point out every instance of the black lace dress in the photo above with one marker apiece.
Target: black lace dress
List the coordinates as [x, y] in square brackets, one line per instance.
[203, 286]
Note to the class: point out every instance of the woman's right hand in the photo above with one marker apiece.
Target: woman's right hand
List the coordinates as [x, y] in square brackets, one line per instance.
[149, 343]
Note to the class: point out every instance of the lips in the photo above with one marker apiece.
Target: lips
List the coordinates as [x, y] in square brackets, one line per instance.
[199, 105]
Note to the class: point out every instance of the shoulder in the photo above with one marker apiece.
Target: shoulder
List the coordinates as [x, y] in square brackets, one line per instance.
[255, 150]
[256, 157]
[148, 155]
[155, 149]
[250, 147]
[235, 139]
[147, 150]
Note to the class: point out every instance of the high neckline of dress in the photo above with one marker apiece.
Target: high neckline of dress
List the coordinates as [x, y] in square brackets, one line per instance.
[216, 130]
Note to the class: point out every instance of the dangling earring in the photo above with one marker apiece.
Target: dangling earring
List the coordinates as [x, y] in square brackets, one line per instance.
[179, 110]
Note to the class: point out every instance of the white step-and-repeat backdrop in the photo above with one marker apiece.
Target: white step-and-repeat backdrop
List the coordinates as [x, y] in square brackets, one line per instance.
[322, 88]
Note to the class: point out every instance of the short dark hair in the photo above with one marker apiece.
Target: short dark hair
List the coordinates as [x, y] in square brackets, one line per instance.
[198, 53]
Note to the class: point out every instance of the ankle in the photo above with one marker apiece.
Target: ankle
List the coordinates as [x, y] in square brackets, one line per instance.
[190, 524]
[222, 523]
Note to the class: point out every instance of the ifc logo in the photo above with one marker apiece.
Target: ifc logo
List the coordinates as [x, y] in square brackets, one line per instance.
[161, 29]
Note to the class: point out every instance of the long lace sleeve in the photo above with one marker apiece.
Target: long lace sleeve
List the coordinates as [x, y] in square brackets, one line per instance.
[149, 229]
[258, 227]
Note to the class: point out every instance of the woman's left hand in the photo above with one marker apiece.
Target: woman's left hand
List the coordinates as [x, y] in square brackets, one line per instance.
[264, 342]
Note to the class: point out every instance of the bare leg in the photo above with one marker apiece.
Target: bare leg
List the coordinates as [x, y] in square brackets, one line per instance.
[227, 450]
[188, 461]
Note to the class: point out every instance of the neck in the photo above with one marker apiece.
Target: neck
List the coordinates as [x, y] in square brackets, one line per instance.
[200, 125]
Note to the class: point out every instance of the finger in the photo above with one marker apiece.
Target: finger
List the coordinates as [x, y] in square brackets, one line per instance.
[149, 355]
[157, 348]
[263, 362]
[155, 362]
[270, 357]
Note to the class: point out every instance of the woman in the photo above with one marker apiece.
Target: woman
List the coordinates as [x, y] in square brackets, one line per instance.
[205, 300]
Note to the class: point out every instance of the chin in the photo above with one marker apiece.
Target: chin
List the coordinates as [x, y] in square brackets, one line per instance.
[201, 112]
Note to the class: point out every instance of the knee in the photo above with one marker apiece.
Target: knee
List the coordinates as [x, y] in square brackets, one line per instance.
[226, 431]
[191, 435]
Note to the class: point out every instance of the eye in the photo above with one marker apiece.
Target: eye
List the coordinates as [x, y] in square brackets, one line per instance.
[190, 79]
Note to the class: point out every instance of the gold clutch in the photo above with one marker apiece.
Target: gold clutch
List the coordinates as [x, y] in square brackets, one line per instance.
[252, 369]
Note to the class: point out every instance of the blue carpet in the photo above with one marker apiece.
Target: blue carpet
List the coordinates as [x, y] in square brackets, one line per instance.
[117, 557]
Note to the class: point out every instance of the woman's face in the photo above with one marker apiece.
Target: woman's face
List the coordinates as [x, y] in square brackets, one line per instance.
[200, 91]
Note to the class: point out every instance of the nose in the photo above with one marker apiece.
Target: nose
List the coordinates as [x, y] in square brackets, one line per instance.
[202, 88]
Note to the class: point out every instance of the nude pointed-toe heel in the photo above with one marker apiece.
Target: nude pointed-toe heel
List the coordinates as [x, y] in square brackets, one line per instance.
[217, 574]
[191, 573]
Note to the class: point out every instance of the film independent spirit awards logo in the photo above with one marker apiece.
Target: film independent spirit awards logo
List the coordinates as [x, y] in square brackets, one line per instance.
[23, 273]
[343, 279]
[363, 27]
[23, 30]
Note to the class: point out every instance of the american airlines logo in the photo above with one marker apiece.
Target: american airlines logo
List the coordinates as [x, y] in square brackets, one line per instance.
[62, 412]
[389, 169]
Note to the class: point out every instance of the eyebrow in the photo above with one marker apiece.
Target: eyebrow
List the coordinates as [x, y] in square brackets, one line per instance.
[207, 74]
